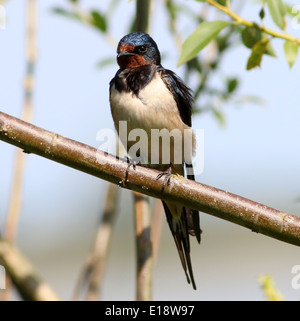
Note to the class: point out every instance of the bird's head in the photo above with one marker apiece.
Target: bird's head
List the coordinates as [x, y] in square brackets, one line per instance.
[137, 49]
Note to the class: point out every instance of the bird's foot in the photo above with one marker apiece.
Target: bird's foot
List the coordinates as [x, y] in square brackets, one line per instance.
[168, 175]
[131, 162]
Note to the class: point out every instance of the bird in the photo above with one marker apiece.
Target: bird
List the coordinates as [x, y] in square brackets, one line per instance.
[149, 97]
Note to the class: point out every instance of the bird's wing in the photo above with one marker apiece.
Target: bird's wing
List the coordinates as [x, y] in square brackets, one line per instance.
[184, 100]
[182, 94]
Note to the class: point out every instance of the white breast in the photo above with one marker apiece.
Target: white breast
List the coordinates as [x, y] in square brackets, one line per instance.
[154, 108]
[144, 111]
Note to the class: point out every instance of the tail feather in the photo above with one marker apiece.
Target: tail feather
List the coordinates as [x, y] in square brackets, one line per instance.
[180, 232]
[193, 218]
[193, 223]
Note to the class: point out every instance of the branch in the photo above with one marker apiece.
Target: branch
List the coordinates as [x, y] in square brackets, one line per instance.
[27, 114]
[241, 21]
[15, 201]
[142, 15]
[95, 263]
[142, 218]
[143, 248]
[27, 281]
[231, 207]
[157, 215]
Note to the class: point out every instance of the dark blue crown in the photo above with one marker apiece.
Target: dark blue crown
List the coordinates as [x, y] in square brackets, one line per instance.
[142, 39]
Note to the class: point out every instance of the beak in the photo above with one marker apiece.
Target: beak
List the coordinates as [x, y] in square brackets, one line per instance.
[124, 53]
[123, 58]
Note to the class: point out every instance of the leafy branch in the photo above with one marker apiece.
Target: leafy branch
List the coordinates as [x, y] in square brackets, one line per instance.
[254, 36]
[233, 208]
[277, 17]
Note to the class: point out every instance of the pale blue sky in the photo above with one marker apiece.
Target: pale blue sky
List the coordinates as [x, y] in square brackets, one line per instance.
[257, 156]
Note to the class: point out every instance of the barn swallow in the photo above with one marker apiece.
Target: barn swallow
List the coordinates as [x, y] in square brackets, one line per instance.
[147, 96]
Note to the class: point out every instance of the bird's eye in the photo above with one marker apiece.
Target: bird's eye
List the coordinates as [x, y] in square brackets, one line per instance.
[141, 49]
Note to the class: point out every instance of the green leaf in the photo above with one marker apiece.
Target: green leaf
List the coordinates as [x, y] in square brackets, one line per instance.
[201, 37]
[220, 117]
[66, 13]
[262, 13]
[269, 50]
[99, 20]
[106, 62]
[256, 54]
[222, 2]
[291, 52]
[277, 11]
[252, 35]
[232, 84]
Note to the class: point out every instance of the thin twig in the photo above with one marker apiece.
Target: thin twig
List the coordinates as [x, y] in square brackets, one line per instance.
[25, 278]
[15, 202]
[94, 267]
[143, 248]
[142, 208]
[142, 15]
[156, 229]
[201, 197]
[27, 114]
